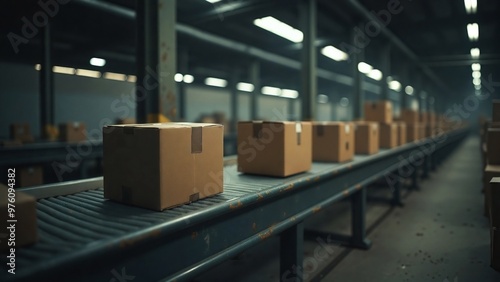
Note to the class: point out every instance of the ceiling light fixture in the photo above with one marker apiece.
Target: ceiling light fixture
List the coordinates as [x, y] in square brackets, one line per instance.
[243, 86]
[216, 82]
[334, 53]
[473, 31]
[279, 28]
[98, 62]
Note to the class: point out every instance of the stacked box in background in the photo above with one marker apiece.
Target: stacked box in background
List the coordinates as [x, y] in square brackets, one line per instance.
[126, 121]
[388, 135]
[401, 133]
[413, 126]
[366, 138]
[496, 111]
[162, 165]
[381, 112]
[30, 176]
[494, 187]
[21, 132]
[72, 132]
[430, 127]
[333, 141]
[492, 155]
[280, 148]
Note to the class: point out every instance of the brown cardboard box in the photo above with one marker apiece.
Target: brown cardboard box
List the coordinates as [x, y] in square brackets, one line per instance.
[162, 165]
[490, 171]
[367, 138]
[409, 116]
[30, 176]
[333, 141]
[423, 117]
[126, 121]
[274, 148]
[421, 131]
[401, 133]
[496, 111]
[25, 214]
[380, 111]
[21, 132]
[10, 143]
[412, 132]
[72, 132]
[493, 146]
[388, 135]
[494, 187]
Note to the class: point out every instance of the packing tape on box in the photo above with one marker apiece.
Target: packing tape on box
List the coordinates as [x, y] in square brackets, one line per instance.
[298, 130]
[257, 129]
[196, 140]
[347, 128]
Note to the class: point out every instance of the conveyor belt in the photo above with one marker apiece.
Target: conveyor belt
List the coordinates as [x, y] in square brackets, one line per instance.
[83, 236]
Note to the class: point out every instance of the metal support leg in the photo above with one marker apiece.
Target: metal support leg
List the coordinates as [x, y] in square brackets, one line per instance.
[396, 194]
[433, 162]
[292, 253]
[358, 211]
[414, 180]
[425, 167]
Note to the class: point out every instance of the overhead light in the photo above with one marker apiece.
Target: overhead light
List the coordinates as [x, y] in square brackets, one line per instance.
[473, 31]
[38, 67]
[470, 6]
[243, 86]
[395, 85]
[322, 99]
[188, 78]
[475, 52]
[477, 87]
[63, 70]
[476, 81]
[213, 1]
[375, 74]
[273, 91]
[409, 90]
[364, 68]
[279, 28]
[131, 78]
[216, 82]
[289, 93]
[344, 102]
[334, 53]
[476, 74]
[88, 73]
[476, 67]
[115, 76]
[98, 62]
[178, 77]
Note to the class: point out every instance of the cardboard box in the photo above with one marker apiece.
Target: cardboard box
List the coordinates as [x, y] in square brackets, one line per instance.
[412, 132]
[409, 116]
[388, 135]
[25, 214]
[72, 132]
[30, 176]
[333, 142]
[494, 187]
[21, 132]
[493, 146]
[162, 165]
[274, 148]
[380, 111]
[421, 131]
[496, 111]
[126, 121]
[401, 133]
[423, 117]
[367, 140]
[490, 172]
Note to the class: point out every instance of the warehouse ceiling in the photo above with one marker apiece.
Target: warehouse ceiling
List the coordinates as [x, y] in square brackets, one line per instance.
[435, 31]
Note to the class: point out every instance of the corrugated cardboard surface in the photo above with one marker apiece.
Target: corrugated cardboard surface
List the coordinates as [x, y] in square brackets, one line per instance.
[162, 165]
[26, 225]
[379, 111]
[21, 132]
[401, 133]
[274, 148]
[409, 116]
[388, 135]
[493, 145]
[333, 141]
[366, 138]
[72, 132]
[496, 111]
[30, 176]
[412, 132]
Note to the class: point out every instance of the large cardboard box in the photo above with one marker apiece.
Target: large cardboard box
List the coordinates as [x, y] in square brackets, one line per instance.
[333, 141]
[21, 132]
[412, 132]
[494, 187]
[401, 133]
[409, 116]
[30, 176]
[490, 172]
[388, 135]
[493, 146]
[72, 132]
[25, 216]
[496, 111]
[162, 165]
[367, 140]
[274, 148]
[380, 111]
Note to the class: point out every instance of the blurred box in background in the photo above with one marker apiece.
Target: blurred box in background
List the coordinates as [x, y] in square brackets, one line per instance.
[379, 111]
[30, 176]
[401, 133]
[367, 139]
[21, 132]
[493, 146]
[333, 141]
[388, 135]
[409, 116]
[72, 132]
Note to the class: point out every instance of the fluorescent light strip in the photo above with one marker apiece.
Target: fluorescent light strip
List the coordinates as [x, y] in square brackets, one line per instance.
[470, 6]
[473, 31]
[364, 68]
[289, 93]
[132, 78]
[178, 77]
[273, 91]
[88, 73]
[63, 70]
[476, 67]
[475, 52]
[216, 82]
[279, 28]
[243, 86]
[334, 53]
[188, 78]
[322, 99]
[476, 74]
[98, 62]
[395, 85]
[409, 90]
[477, 87]
[476, 81]
[213, 1]
[38, 67]
[375, 74]
[115, 76]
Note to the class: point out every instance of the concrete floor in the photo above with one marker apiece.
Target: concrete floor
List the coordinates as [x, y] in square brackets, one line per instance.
[440, 235]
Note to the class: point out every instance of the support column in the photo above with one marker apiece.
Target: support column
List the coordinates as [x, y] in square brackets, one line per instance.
[156, 61]
[358, 225]
[292, 253]
[385, 56]
[233, 81]
[358, 93]
[407, 81]
[183, 69]
[291, 110]
[308, 93]
[47, 87]
[254, 99]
